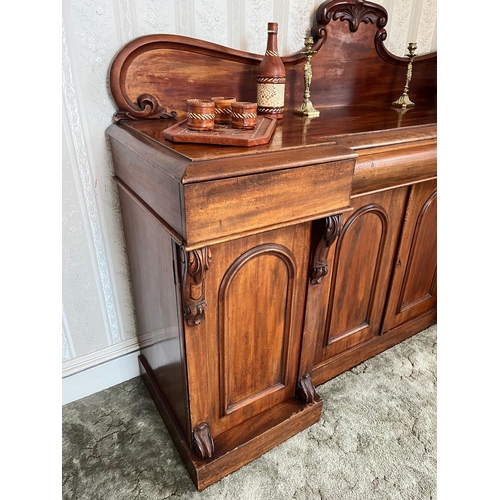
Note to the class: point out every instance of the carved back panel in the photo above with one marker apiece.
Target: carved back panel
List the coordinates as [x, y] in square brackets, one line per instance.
[153, 75]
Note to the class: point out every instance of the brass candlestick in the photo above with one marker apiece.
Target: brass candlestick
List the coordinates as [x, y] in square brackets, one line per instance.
[404, 101]
[306, 108]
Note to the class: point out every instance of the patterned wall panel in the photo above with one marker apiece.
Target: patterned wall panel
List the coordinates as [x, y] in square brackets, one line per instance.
[98, 320]
[85, 323]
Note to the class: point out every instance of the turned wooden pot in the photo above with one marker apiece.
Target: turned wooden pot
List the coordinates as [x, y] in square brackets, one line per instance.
[244, 115]
[200, 114]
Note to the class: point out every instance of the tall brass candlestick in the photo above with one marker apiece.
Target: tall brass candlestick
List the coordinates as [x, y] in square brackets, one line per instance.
[404, 101]
[306, 108]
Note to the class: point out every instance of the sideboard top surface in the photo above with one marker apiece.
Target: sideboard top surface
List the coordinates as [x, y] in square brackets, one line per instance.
[354, 126]
[338, 133]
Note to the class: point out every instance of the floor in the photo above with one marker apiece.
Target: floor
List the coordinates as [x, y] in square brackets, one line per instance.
[376, 440]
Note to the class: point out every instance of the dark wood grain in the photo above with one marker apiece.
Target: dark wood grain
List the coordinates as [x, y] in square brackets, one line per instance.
[325, 232]
[346, 309]
[203, 442]
[156, 66]
[356, 127]
[249, 440]
[388, 167]
[245, 355]
[414, 286]
[260, 272]
[242, 204]
[157, 305]
[224, 134]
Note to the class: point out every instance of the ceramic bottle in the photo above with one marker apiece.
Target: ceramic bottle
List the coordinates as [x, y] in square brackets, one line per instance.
[271, 77]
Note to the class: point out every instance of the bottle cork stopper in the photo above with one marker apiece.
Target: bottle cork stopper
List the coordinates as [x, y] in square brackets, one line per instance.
[272, 27]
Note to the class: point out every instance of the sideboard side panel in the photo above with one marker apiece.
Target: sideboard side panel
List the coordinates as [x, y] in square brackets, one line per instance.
[152, 264]
[150, 174]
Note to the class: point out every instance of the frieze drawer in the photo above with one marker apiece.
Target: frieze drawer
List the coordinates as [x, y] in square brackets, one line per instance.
[234, 207]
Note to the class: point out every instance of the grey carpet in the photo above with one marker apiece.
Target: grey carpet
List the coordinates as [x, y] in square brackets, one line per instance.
[376, 440]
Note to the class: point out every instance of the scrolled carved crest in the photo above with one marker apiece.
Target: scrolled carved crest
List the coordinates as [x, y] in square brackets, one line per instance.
[147, 107]
[354, 12]
[197, 263]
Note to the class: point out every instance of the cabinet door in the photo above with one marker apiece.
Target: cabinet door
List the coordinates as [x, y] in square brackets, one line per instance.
[345, 308]
[243, 358]
[413, 291]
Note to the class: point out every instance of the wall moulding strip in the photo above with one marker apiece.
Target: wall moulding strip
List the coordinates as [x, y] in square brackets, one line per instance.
[93, 359]
[100, 377]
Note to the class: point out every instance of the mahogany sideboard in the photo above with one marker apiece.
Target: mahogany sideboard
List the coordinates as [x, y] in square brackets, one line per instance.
[260, 272]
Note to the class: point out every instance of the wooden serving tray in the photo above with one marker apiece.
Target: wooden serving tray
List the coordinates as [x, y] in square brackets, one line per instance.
[224, 134]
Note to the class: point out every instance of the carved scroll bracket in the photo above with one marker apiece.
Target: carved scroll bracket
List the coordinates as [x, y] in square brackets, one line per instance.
[147, 107]
[196, 264]
[306, 391]
[328, 230]
[203, 443]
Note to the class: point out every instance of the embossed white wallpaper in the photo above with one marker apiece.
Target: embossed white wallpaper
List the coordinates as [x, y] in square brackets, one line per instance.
[97, 311]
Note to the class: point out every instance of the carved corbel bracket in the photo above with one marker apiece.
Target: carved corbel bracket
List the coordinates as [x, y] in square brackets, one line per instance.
[203, 443]
[328, 229]
[306, 391]
[196, 264]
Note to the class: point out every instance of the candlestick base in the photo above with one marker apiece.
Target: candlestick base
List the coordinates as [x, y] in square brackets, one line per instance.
[306, 109]
[403, 102]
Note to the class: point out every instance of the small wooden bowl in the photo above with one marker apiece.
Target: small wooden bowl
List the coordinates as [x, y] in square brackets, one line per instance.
[223, 109]
[200, 114]
[244, 115]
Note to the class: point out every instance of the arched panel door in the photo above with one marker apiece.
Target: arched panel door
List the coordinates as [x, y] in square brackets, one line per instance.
[354, 290]
[413, 291]
[355, 276]
[253, 325]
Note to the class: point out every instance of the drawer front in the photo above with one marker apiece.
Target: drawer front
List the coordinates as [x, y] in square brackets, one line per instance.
[230, 208]
[377, 171]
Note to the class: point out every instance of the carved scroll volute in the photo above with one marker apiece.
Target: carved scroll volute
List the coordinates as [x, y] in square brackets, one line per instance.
[147, 107]
[306, 391]
[327, 230]
[196, 264]
[203, 443]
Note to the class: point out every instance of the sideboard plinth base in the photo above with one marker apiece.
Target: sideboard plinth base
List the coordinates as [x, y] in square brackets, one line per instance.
[239, 445]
